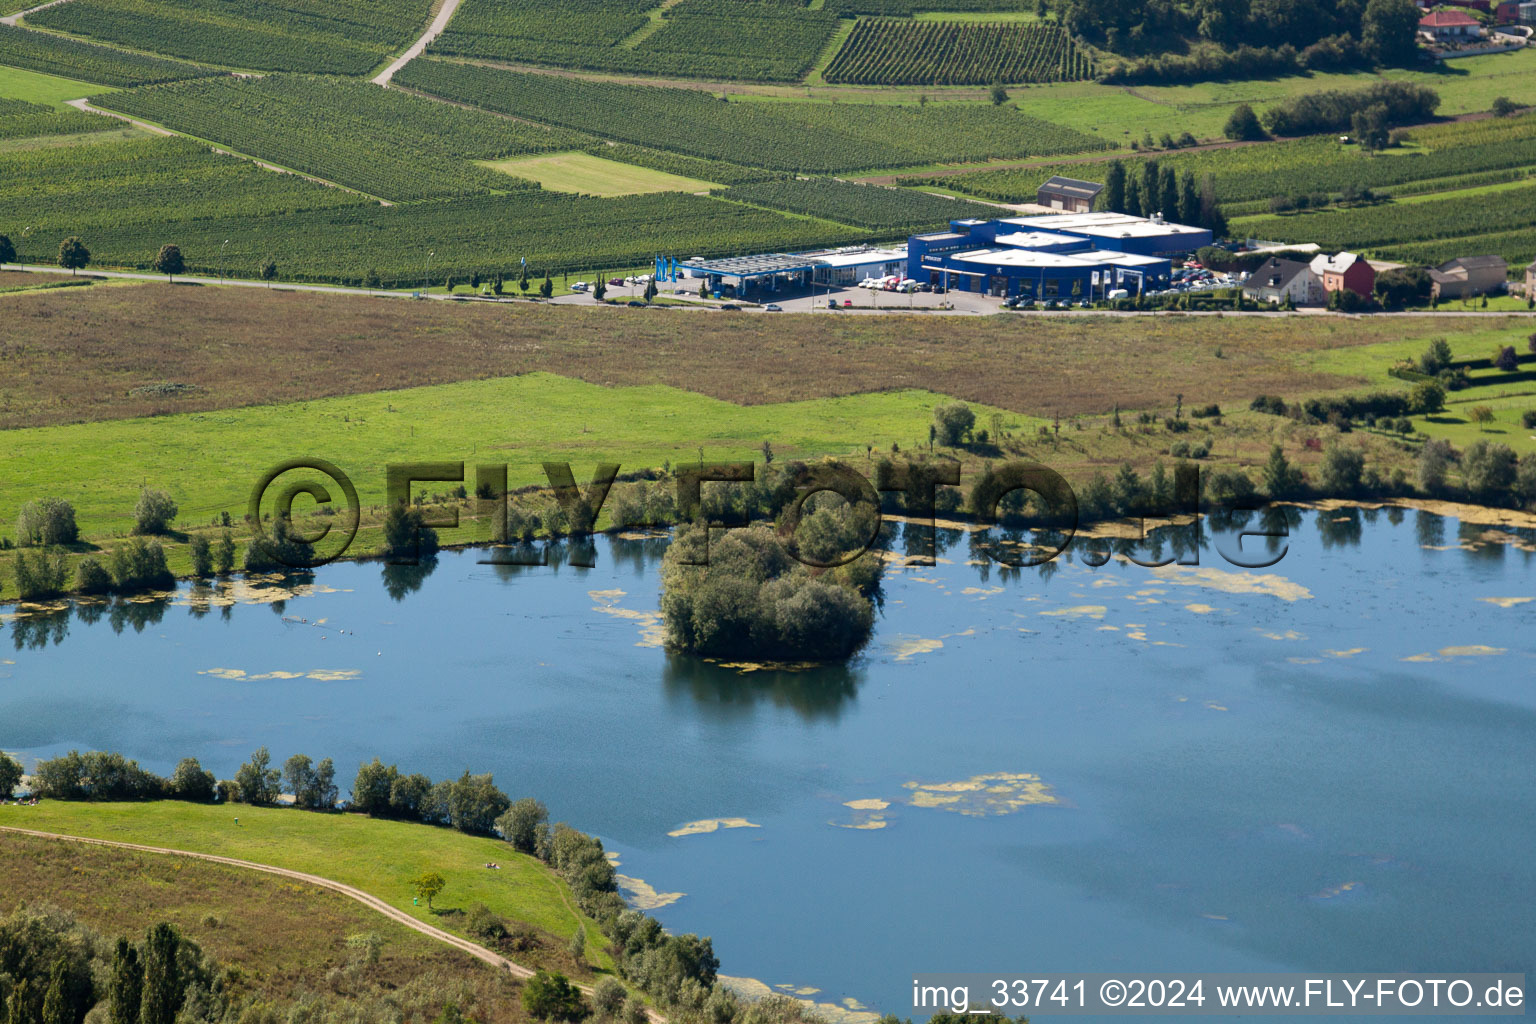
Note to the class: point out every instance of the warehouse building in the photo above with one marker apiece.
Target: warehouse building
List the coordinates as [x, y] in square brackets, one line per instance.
[1068, 194]
[1061, 256]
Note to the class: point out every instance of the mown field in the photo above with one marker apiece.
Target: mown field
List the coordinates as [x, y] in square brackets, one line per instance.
[593, 175]
[284, 936]
[790, 136]
[345, 37]
[888, 52]
[378, 857]
[383, 142]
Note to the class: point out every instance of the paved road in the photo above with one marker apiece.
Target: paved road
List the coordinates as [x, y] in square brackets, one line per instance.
[799, 305]
[419, 46]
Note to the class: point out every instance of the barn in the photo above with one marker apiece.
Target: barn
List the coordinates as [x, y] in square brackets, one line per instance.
[1068, 194]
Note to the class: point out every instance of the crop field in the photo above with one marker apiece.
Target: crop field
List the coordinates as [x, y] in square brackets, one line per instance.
[1317, 164]
[384, 142]
[143, 187]
[339, 244]
[347, 37]
[698, 169]
[527, 31]
[22, 120]
[88, 62]
[586, 174]
[1509, 213]
[900, 8]
[804, 137]
[868, 206]
[888, 52]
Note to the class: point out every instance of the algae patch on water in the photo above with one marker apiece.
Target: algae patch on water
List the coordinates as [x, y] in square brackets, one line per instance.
[1507, 602]
[867, 816]
[1269, 584]
[323, 675]
[642, 896]
[707, 825]
[982, 795]
[652, 634]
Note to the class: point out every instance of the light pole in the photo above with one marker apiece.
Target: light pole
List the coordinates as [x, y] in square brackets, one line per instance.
[221, 261]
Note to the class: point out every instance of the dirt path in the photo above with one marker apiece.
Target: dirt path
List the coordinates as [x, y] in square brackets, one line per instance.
[85, 106]
[419, 46]
[14, 19]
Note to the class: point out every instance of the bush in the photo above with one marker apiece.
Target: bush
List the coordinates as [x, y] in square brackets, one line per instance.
[1274, 405]
[1435, 358]
[1341, 471]
[1528, 419]
[1425, 397]
[953, 423]
[1207, 411]
[406, 536]
[608, 997]
[1243, 125]
[1506, 360]
[1489, 470]
[202, 556]
[1176, 425]
[154, 512]
[1229, 487]
[551, 997]
[41, 574]
[190, 782]
[278, 551]
[91, 577]
[140, 564]
[46, 523]
[1434, 463]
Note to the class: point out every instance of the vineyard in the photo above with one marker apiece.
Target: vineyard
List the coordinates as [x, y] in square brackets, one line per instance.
[1318, 164]
[791, 136]
[756, 40]
[868, 206]
[1375, 227]
[887, 52]
[907, 8]
[22, 120]
[103, 65]
[486, 235]
[383, 142]
[347, 37]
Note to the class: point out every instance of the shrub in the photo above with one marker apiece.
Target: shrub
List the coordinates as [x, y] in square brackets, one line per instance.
[1179, 449]
[1505, 359]
[41, 574]
[46, 523]
[1489, 469]
[1207, 411]
[953, 423]
[485, 924]
[1435, 358]
[1229, 486]
[1281, 479]
[190, 782]
[406, 535]
[1272, 404]
[139, 564]
[608, 997]
[551, 997]
[1434, 463]
[1426, 396]
[278, 551]
[1176, 425]
[91, 577]
[1528, 419]
[154, 511]
[1243, 125]
[1403, 425]
[1342, 469]
[202, 556]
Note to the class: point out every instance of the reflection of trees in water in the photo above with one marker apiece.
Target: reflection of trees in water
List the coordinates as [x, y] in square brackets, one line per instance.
[38, 629]
[1470, 536]
[90, 611]
[1341, 528]
[815, 693]
[1430, 529]
[509, 561]
[138, 614]
[638, 553]
[401, 580]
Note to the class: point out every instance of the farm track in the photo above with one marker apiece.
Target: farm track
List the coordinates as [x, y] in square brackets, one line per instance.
[419, 47]
[368, 900]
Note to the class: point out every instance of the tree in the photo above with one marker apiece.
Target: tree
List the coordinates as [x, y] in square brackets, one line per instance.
[428, 885]
[520, 825]
[650, 291]
[224, 554]
[1525, 479]
[168, 261]
[1434, 464]
[1389, 31]
[1189, 200]
[1341, 470]
[953, 422]
[299, 774]
[47, 522]
[10, 775]
[999, 94]
[1211, 216]
[370, 280]
[202, 556]
[1503, 106]
[371, 789]
[73, 255]
[408, 796]
[497, 286]
[600, 289]
[1506, 360]
[608, 996]
[7, 250]
[1243, 125]
[1489, 469]
[1482, 415]
[547, 286]
[406, 535]
[1281, 479]
[1371, 127]
[325, 792]
[551, 997]
[125, 990]
[162, 976]
[1113, 196]
[154, 512]
[269, 273]
[1426, 396]
[56, 1008]
[259, 783]
[191, 782]
[474, 804]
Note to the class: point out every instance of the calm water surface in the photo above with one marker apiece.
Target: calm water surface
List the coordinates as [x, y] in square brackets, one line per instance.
[1324, 765]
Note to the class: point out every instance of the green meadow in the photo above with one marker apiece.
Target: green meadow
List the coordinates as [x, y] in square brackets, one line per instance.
[378, 857]
[35, 87]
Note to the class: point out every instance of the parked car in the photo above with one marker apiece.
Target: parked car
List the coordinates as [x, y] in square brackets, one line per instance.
[731, 306]
[773, 307]
[580, 286]
[832, 304]
[847, 303]
[616, 282]
[636, 304]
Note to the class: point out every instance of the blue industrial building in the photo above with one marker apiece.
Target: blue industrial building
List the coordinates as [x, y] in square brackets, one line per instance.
[1077, 255]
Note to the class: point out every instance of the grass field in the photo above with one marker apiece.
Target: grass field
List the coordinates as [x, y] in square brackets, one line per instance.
[592, 175]
[285, 936]
[379, 857]
[35, 87]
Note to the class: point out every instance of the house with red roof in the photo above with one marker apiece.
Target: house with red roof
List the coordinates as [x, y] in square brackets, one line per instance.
[1450, 26]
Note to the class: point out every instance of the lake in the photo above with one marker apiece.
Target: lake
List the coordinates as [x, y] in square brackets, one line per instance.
[1320, 765]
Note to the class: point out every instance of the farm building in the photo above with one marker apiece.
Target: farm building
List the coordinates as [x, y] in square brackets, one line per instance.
[1530, 279]
[1051, 257]
[1345, 272]
[1277, 280]
[1068, 194]
[1468, 276]
[1449, 26]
